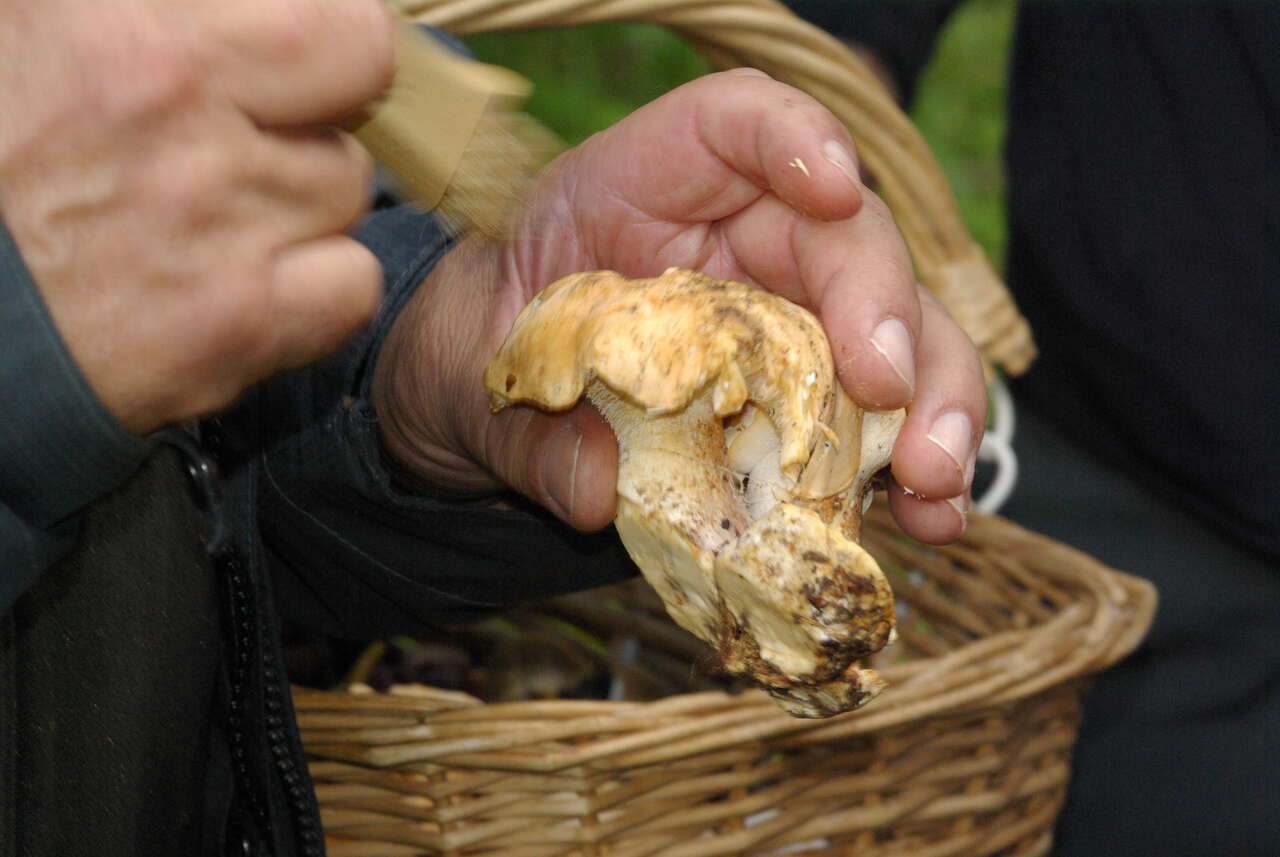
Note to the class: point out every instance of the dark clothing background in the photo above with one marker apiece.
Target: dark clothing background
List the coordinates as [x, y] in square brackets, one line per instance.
[1144, 242]
[109, 678]
[1179, 753]
[1144, 249]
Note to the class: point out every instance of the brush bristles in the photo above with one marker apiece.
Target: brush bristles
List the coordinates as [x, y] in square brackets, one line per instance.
[490, 185]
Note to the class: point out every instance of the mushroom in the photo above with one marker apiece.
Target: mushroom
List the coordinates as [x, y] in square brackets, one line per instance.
[744, 468]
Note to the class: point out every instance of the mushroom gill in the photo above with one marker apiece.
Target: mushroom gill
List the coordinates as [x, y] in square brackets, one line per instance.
[744, 468]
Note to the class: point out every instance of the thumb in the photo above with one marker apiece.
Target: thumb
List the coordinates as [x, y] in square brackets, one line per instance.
[567, 462]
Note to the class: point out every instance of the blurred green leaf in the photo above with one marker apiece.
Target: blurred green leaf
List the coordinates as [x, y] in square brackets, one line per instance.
[959, 109]
[587, 78]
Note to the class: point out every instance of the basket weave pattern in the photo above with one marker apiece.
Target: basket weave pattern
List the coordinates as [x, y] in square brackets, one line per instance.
[966, 753]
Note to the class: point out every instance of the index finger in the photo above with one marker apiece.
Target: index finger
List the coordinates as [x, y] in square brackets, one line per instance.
[299, 62]
[855, 275]
[712, 147]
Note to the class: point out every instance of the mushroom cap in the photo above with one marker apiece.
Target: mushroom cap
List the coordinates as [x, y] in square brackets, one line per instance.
[743, 467]
[660, 342]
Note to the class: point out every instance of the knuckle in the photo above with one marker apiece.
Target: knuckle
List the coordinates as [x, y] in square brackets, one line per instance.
[353, 189]
[748, 71]
[138, 75]
[236, 320]
[376, 22]
[223, 341]
[359, 31]
[192, 185]
[895, 276]
[283, 30]
[366, 286]
[348, 296]
[741, 77]
[875, 206]
[364, 165]
[176, 77]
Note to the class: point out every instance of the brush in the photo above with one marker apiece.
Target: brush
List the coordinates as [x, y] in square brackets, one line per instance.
[451, 132]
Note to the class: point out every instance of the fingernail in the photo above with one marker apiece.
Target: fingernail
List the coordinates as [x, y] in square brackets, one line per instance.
[842, 159]
[560, 469]
[953, 434]
[958, 503]
[892, 339]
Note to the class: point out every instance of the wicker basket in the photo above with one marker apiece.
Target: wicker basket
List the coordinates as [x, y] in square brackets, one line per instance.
[966, 753]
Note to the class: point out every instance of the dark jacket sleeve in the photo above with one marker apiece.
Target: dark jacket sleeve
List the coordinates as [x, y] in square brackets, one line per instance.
[59, 447]
[352, 553]
[901, 32]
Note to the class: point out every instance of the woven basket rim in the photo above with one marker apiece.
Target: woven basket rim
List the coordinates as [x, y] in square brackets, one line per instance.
[1105, 616]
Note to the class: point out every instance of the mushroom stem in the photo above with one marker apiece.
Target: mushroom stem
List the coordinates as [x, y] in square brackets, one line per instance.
[678, 503]
[783, 597]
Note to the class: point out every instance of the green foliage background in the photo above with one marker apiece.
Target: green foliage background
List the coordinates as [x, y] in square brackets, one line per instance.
[587, 78]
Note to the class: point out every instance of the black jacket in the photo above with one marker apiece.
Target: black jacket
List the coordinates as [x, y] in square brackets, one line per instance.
[143, 705]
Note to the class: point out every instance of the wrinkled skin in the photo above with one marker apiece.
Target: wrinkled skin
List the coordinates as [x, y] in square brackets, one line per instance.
[703, 178]
[173, 179]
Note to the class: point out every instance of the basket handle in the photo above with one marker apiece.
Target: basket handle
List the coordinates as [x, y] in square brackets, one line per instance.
[768, 36]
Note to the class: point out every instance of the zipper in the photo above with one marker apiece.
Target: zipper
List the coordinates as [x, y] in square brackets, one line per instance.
[250, 799]
[305, 822]
[252, 655]
[252, 666]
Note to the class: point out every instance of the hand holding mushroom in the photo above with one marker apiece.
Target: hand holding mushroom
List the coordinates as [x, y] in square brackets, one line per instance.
[746, 180]
[744, 468]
